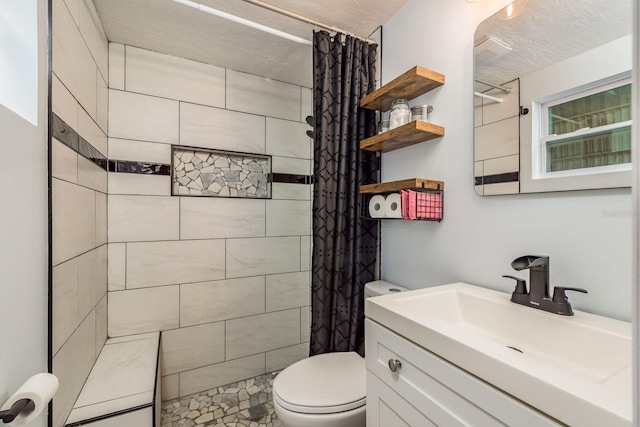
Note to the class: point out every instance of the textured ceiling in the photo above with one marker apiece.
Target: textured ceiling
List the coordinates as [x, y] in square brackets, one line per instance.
[550, 31]
[166, 27]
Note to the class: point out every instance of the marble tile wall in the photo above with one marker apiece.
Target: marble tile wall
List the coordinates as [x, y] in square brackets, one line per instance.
[226, 279]
[79, 192]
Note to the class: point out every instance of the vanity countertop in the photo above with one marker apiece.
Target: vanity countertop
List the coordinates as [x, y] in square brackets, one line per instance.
[576, 369]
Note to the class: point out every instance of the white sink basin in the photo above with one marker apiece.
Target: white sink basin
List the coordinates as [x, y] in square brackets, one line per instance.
[576, 369]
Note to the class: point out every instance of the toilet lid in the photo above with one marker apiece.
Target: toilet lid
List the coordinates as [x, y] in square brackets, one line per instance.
[322, 384]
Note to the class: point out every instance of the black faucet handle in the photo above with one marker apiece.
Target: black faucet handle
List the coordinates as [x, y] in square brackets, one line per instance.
[560, 296]
[521, 284]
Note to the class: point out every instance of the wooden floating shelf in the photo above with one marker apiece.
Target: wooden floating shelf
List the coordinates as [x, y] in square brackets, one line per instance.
[413, 83]
[393, 186]
[409, 134]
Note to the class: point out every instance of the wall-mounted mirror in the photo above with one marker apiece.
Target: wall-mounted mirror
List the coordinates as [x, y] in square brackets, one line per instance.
[553, 97]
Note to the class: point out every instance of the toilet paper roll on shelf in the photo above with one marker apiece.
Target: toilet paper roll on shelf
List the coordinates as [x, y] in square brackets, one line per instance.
[392, 207]
[39, 390]
[377, 206]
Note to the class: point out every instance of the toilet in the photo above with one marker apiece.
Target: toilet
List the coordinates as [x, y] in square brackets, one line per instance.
[326, 390]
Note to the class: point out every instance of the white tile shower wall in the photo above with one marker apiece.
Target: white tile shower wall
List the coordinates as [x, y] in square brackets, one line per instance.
[176, 78]
[143, 117]
[64, 105]
[200, 379]
[306, 104]
[170, 387]
[291, 165]
[257, 334]
[79, 211]
[72, 60]
[498, 139]
[492, 155]
[289, 290]
[206, 302]
[265, 97]
[152, 264]
[207, 218]
[271, 255]
[207, 127]
[287, 191]
[137, 311]
[283, 357]
[283, 139]
[72, 365]
[178, 353]
[102, 97]
[226, 279]
[89, 130]
[127, 149]
[116, 66]
[142, 218]
[93, 35]
[287, 217]
[139, 184]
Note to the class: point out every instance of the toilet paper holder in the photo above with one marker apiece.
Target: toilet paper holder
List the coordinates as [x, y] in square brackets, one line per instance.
[16, 409]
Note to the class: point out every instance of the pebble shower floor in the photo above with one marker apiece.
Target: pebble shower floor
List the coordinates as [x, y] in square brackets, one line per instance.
[245, 403]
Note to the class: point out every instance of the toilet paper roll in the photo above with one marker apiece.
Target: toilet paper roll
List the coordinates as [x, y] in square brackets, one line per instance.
[392, 207]
[40, 388]
[377, 206]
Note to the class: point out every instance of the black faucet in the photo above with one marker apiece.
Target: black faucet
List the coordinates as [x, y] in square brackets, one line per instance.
[538, 295]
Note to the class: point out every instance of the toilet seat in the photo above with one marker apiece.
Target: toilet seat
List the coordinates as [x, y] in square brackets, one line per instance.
[323, 384]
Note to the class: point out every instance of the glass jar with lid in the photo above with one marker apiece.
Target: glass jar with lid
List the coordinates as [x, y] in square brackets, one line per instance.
[400, 113]
[421, 112]
[383, 126]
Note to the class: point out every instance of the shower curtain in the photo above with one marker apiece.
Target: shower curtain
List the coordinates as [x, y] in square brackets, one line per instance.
[344, 244]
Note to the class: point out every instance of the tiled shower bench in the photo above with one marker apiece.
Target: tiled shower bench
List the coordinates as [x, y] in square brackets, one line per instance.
[123, 388]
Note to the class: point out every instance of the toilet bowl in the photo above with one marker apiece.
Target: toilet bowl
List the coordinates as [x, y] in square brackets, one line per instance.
[327, 390]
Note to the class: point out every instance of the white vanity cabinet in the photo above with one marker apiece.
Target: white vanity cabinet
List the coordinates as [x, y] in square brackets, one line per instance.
[426, 390]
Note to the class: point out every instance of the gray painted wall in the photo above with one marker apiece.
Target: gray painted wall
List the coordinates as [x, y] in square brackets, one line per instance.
[23, 245]
[587, 234]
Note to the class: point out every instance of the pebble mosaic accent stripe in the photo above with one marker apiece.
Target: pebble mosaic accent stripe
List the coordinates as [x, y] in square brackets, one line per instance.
[199, 172]
[69, 137]
[245, 403]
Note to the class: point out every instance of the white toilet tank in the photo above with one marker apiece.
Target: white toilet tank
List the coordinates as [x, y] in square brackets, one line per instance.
[380, 287]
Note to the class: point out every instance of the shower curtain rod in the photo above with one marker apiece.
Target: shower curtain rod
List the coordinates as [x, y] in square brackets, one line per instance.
[246, 22]
[304, 19]
[506, 90]
[489, 97]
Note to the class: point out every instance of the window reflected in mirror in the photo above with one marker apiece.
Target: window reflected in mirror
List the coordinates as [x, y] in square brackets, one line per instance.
[588, 130]
[553, 98]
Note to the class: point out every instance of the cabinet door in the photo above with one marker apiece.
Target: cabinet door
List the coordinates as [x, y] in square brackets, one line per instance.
[446, 394]
[385, 408]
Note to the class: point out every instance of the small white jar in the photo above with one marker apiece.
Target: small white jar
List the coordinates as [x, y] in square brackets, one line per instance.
[400, 113]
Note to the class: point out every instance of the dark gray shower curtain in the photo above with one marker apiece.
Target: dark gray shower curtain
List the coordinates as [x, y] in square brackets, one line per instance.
[344, 244]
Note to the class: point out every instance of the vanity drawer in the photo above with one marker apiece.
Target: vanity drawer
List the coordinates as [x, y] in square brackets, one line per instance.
[444, 393]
